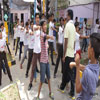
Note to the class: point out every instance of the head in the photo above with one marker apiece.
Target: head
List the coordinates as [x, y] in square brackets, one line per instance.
[69, 14]
[2, 26]
[61, 21]
[51, 17]
[27, 25]
[97, 21]
[0, 35]
[77, 27]
[22, 23]
[85, 20]
[37, 18]
[54, 21]
[31, 24]
[44, 26]
[94, 46]
[43, 16]
[17, 21]
[76, 19]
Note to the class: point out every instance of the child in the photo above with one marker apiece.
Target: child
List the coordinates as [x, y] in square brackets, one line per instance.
[78, 37]
[44, 61]
[3, 58]
[87, 86]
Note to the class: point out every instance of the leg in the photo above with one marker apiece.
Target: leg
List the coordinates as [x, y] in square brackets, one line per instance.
[0, 70]
[54, 44]
[20, 50]
[7, 67]
[29, 61]
[14, 44]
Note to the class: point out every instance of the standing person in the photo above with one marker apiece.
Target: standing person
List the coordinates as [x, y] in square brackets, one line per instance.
[84, 43]
[18, 36]
[97, 26]
[51, 28]
[3, 58]
[87, 86]
[15, 36]
[60, 46]
[30, 49]
[37, 48]
[76, 20]
[44, 61]
[22, 33]
[26, 42]
[55, 36]
[69, 38]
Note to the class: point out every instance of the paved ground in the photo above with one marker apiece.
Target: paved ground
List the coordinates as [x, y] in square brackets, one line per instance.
[17, 73]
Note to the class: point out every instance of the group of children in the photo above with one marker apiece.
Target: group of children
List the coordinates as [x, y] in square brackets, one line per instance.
[37, 43]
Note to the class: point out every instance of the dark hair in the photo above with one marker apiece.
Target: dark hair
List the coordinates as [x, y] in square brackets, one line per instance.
[26, 24]
[42, 22]
[70, 13]
[97, 20]
[17, 19]
[37, 14]
[76, 18]
[2, 24]
[51, 15]
[95, 44]
[22, 21]
[76, 24]
[61, 18]
[85, 19]
[54, 20]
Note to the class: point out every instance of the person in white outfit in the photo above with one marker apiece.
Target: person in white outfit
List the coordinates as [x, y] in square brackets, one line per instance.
[97, 26]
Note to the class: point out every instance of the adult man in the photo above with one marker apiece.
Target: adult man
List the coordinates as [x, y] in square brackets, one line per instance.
[69, 38]
[37, 47]
[51, 28]
[97, 26]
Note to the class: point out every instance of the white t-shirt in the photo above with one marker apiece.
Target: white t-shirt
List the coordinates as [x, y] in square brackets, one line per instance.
[2, 45]
[61, 35]
[18, 30]
[26, 37]
[31, 42]
[77, 42]
[22, 33]
[84, 29]
[37, 44]
[51, 24]
[4, 34]
[96, 29]
[15, 33]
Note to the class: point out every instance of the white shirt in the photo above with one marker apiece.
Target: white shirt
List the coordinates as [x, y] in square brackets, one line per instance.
[77, 42]
[61, 35]
[31, 41]
[26, 37]
[22, 33]
[2, 45]
[51, 24]
[37, 44]
[4, 34]
[18, 30]
[96, 29]
[15, 33]
[84, 29]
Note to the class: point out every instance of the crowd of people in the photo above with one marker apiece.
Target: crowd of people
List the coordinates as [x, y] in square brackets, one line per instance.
[39, 41]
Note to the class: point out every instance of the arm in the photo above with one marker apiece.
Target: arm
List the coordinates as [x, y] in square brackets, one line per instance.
[78, 83]
[84, 37]
[49, 37]
[54, 29]
[36, 28]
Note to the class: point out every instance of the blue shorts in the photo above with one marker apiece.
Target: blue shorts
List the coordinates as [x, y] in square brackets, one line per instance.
[44, 69]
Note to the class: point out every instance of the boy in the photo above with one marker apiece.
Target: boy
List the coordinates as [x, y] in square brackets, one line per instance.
[87, 86]
[3, 58]
[44, 61]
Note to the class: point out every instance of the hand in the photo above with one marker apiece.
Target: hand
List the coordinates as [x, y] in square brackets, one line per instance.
[52, 37]
[39, 27]
[77, 60]
[63, 59]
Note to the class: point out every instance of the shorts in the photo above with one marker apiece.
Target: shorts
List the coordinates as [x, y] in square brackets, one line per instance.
[44, 69]
[79, 52]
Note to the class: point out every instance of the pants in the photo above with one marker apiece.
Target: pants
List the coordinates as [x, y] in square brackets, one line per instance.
[14, 43]
[60, 56]
[51, 49]
[25, 53]
[4, 58]
[54, 44]
[84, 44]
[20, 50]
[68, 75]
[18, 39]
[3, 66]
[34, 63]
[30, 56]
